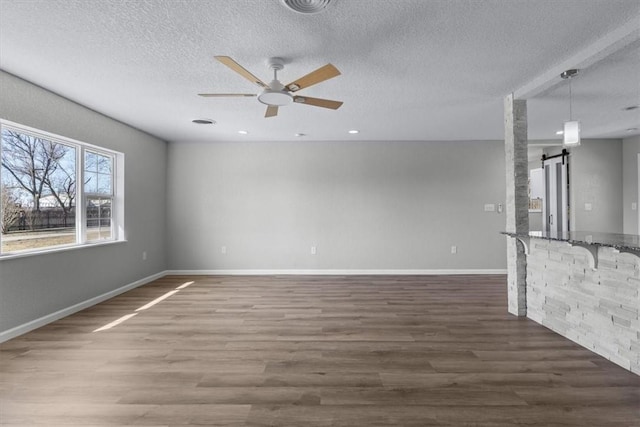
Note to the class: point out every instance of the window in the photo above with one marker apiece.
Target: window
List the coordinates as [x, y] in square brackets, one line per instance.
[41, 204]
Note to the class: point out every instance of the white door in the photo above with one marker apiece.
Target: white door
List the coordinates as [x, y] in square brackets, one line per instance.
[555, 202]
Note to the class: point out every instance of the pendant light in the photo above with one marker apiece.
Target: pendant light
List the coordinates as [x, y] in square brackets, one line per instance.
[571, 135]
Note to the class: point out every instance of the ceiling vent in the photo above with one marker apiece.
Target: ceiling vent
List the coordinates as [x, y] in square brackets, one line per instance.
[306, 6]
[204, 121]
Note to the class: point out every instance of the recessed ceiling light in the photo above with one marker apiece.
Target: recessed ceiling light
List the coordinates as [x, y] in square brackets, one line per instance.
[353, 131]
[300, 135]
[632, 129]
[243, 132]
[306, 6]
[560, 132]
[204, 121]
[631, 108]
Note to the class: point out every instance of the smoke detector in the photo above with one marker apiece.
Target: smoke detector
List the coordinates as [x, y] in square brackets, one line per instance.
[306, 6]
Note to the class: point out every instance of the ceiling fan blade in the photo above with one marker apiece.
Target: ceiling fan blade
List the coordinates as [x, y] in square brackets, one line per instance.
[272, 111]
[240, 70]
[212, 95]
[317, 102]
[314, 77]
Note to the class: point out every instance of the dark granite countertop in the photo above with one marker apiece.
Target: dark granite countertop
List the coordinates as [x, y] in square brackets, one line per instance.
[627, 242]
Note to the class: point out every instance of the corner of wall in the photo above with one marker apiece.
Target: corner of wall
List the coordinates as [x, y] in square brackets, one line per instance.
[630, 184]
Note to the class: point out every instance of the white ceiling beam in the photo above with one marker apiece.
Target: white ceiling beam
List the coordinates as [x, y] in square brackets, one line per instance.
[607, 45]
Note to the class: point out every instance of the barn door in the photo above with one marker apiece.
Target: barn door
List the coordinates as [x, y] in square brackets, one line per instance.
[555, 203]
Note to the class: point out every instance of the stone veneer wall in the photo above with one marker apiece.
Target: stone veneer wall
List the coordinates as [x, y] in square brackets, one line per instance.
[597, 308]
[517, 200]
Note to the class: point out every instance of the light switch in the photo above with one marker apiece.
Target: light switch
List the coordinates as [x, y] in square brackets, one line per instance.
[634, 206]
[588, 207]
[489, 207]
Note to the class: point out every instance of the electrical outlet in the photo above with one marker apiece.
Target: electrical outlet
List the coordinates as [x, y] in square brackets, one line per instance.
[454, 249]
[313, 250]
[634, 206]
[144, 255]
[223, 250]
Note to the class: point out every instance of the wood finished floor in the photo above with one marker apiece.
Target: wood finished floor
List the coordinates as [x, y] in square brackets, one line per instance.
[310, 351]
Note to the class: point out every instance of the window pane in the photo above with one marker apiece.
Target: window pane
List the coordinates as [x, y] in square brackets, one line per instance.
[104, 184]
[90, 162]
[38, 183]
[98, 173]
[104, 164]
[98, 218]
[90, 182]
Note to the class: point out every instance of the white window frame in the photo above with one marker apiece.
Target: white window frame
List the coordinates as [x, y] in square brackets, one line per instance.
[117, 192]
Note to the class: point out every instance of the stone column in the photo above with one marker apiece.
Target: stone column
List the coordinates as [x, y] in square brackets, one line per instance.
[517, 202]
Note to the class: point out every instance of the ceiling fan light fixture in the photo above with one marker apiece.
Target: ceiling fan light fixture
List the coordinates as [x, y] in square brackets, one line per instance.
[306, 6]
[275, 94]
[275, 97]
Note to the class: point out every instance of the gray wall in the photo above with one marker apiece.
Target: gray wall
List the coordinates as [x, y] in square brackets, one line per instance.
[35, 286]
[596, 178]
[630, 150]
[365, 205]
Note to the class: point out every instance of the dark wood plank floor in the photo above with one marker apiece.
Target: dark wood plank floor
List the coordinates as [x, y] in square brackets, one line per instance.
[310, 351]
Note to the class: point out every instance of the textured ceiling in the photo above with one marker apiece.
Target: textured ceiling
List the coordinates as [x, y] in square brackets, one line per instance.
[411, 69]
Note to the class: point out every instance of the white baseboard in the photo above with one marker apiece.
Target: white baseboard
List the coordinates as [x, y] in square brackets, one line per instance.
[37, 323]
[251, 272]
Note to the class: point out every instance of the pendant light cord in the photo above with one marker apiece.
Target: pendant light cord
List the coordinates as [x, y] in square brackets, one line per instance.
[570, 102]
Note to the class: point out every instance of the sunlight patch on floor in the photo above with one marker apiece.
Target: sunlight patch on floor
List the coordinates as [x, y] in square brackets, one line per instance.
[144, 307]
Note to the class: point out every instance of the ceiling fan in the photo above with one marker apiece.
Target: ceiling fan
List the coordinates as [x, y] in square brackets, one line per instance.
[275, 94]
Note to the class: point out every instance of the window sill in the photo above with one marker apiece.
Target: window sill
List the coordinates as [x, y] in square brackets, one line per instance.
[58, 249]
